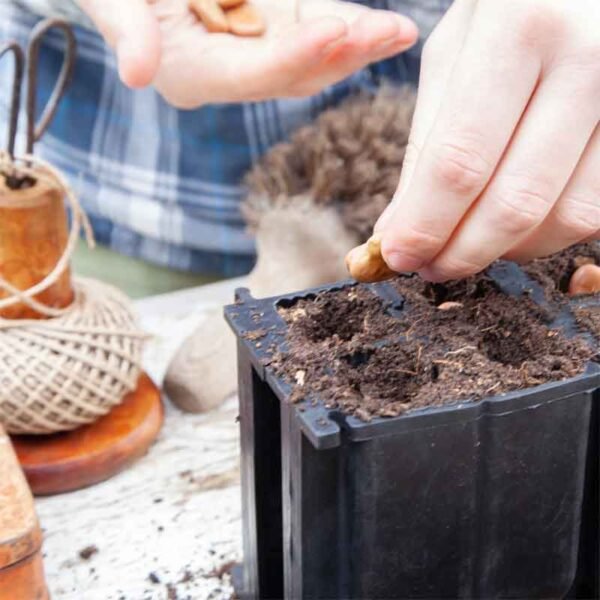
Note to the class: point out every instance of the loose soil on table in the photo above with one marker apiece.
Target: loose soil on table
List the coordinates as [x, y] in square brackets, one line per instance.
[354, 351]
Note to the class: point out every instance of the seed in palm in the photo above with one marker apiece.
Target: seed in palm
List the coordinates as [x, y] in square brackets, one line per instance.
[229, 16]
[246, 20]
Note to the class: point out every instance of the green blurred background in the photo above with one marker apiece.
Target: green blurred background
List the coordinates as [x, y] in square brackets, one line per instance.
[136, 278]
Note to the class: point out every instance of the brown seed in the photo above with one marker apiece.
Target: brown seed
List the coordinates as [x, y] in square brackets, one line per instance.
[449, 305]
[246, 20]
[366, 264]
[579, 261]
[586, 280]
[228, 4]
[211, 14]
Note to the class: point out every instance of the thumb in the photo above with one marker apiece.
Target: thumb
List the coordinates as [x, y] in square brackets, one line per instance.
[131, 29]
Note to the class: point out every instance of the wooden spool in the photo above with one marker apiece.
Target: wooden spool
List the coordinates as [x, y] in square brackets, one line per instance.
[21, 569]
[68, 461]
[33, 237]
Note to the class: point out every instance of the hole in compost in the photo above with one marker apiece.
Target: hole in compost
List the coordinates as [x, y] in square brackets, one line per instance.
[340, 314]
[286, 303]
[473, 288]
[358, 358]
[367, 363]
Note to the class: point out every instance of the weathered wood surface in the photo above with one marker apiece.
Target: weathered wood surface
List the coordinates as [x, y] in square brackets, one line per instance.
[19, 535]
[167, 527]
[21, 573]
[72, 460]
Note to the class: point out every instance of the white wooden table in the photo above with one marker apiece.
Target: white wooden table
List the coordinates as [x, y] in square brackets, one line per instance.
[168, 527]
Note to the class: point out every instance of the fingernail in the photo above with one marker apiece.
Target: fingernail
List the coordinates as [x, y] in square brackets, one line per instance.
[402, 263]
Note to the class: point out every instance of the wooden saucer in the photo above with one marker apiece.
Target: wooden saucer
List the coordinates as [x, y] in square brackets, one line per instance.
[69, 461]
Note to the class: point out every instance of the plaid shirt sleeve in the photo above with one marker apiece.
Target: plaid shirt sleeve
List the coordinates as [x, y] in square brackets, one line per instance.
[64, 9]
[165, 185]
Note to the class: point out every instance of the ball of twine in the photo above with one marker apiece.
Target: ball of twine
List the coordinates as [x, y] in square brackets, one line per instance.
[75, 366]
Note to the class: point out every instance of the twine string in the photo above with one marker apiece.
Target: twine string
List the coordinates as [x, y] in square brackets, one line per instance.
[68, 370]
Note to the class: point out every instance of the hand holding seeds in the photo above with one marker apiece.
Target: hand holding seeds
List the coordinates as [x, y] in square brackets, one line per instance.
[504, 159]
[196, 52]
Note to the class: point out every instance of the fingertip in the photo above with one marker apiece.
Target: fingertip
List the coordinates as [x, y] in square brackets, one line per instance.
[136, 68]
[377, 26]
[138, 57]
[409, 31]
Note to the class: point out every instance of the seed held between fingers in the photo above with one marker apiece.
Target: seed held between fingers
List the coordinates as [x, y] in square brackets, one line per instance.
[211, 14]
[365, 263]
[585, 280]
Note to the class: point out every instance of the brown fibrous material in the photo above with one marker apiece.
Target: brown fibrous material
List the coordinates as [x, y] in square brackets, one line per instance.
[349, 158]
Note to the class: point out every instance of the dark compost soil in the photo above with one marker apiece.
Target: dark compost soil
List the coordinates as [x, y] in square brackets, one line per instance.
[555, 272]
[358, 353]
[588, 319]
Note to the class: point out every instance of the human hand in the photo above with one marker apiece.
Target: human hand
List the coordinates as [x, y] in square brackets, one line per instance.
[504, 155]
[162, 42]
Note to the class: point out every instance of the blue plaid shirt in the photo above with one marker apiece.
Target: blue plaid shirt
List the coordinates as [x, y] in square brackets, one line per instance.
[163, 184]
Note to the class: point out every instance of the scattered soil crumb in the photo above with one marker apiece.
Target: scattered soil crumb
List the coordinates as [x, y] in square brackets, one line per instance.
[187, 576]
[224, 569]
[87, 552]
[588, 318]
[172, 592]
[349, 349]
[153, 578]
[255, 335]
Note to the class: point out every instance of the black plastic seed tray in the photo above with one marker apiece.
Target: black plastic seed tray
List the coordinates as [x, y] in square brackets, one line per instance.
[588, 579]
[474, 500]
